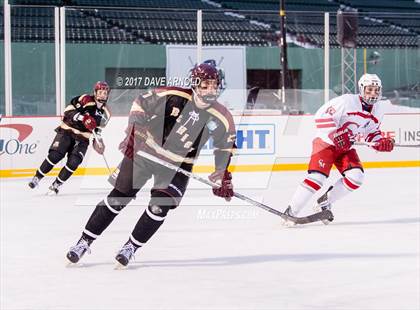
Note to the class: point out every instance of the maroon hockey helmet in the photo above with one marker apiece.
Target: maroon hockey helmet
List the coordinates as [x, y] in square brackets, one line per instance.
[205, 72]
[101, 85]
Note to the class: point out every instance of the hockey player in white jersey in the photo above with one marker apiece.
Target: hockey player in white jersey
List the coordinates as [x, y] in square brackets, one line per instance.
[338, 123]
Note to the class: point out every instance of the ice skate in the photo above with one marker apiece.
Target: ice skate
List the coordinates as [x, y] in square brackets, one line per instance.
[34, 182]
[324, 204]
[76, 252]
[125, 254]
[54, 188]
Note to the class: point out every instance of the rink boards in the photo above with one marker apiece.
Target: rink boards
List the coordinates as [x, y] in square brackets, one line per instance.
[266, 141]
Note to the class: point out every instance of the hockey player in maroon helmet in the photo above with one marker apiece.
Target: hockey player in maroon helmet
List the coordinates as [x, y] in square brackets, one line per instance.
[338, 122]
[174, 124]
[101, 93]
[206, 83]
[84, 114]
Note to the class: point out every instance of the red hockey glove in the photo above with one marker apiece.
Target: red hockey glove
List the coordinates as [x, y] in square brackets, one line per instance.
[89, 122]
[225, 179]
[384, 145]
[342, 139]
[99, 146]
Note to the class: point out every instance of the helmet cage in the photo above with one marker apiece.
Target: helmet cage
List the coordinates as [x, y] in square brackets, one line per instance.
[204, 72]
[101, 85]
[370, 80]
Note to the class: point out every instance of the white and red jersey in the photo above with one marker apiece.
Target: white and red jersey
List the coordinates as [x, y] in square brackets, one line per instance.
[346, 111]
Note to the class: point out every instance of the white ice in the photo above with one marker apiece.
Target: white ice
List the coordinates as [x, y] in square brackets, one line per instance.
[208, 255]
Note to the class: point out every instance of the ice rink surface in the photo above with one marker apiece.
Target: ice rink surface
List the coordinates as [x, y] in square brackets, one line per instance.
[209, 255]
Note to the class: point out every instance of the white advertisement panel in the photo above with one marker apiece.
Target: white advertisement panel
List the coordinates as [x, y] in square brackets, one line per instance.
[263, 140]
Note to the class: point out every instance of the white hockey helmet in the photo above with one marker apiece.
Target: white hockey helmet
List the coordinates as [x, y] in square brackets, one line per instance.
[370, 80]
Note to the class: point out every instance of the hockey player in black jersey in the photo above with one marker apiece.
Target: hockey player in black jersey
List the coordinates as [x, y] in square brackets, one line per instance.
[173, 124]
[84, 114]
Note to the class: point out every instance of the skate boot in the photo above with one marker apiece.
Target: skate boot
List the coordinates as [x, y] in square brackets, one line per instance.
[288, 223]
[54, 188]
[34, 182]
[324, 204]
[76, 252]
[126, 253]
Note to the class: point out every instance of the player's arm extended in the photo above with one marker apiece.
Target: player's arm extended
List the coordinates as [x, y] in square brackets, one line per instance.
[382, 144]
[224, 137]
[106, 116]
[374, 135]
[224, 142]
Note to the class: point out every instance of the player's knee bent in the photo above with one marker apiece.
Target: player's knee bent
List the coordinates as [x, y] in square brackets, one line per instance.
[353, 178]
[158, 213]
[54, 156]
[314, 180]
[117, 200]
[160, 204]
[164, 198]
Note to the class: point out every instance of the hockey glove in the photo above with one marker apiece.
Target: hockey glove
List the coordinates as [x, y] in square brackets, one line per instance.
[343, 139]
[224, 178]
[89, 122]
[99, 146]
[384, 145]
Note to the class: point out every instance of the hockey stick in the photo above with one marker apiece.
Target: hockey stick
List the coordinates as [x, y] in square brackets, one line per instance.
[323, 215]
[103, 155]
[370, 144]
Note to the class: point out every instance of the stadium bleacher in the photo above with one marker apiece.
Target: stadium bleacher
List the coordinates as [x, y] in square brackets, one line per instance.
[234, 22]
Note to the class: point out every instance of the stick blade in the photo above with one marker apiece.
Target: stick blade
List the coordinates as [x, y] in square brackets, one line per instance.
[319, 216]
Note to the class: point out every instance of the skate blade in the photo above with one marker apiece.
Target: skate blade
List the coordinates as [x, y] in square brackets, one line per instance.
[51, 193]
[289, 224]
[319, 209]
[73, 265]
[119, 266]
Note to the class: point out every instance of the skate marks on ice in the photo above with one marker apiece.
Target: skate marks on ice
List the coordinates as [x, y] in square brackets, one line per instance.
[256, 259]
[414, 220]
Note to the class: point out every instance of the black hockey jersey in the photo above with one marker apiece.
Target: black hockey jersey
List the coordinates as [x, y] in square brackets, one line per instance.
[79, 106]
[177, 129]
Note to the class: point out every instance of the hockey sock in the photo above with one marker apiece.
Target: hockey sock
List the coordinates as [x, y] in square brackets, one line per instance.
[150, 221]
[64, 174]
[105, 212]
[45, 167]
[305, 191]
[50, 161]
[351, 181]
[72, 163]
